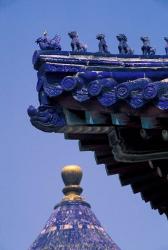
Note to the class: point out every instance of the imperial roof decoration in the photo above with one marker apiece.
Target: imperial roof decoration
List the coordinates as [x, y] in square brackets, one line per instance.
[115, 105]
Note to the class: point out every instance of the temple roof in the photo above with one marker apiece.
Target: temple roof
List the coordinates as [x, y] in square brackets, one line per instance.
[72, 225]
[116, 106]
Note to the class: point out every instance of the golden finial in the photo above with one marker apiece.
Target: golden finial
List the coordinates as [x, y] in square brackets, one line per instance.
[72, 175]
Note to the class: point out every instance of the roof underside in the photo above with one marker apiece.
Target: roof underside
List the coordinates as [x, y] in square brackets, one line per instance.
[149, 178]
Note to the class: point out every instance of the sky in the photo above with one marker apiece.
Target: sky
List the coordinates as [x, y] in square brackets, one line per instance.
[31, 160]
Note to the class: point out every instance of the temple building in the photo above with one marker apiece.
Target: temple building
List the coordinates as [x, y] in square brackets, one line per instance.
[73, 225]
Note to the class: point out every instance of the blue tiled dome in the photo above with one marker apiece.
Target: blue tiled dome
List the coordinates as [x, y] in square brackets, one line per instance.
[73, 226]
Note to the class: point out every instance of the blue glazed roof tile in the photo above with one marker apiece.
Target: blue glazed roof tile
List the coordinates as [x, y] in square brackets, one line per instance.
[73, 226]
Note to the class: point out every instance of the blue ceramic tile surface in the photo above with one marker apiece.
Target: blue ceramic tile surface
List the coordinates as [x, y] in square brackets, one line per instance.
[73, 226]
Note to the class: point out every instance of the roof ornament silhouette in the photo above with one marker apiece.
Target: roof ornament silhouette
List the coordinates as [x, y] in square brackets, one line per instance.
[123, 46]
[124, 49]
[76, 45]
[166, 48]
[146, 48]
[72, 225]
[103, 47]
[49, 44]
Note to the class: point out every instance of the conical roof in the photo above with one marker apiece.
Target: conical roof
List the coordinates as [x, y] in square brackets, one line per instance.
[73, 225]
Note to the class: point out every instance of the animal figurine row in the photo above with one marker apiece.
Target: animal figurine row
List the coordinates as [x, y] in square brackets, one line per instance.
[124, 49]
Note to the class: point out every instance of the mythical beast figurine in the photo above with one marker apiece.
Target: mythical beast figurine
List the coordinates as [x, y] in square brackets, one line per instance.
[146, 48]
[103, 48]
[49, 44]
[123, 47]
[76, 45]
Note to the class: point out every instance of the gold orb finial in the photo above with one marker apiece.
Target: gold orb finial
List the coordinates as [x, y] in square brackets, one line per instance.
[72, 175]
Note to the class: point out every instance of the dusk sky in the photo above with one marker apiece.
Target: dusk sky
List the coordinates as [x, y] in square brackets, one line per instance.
[31, 160]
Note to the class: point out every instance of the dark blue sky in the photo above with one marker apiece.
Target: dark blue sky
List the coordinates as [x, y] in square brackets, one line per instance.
[30, 183]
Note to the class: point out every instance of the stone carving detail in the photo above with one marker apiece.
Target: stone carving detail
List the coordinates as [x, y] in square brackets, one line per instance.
[123, 46]
[76, 45]
[49, 44]
[166, 48]
[103, 48]
[146, 48]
